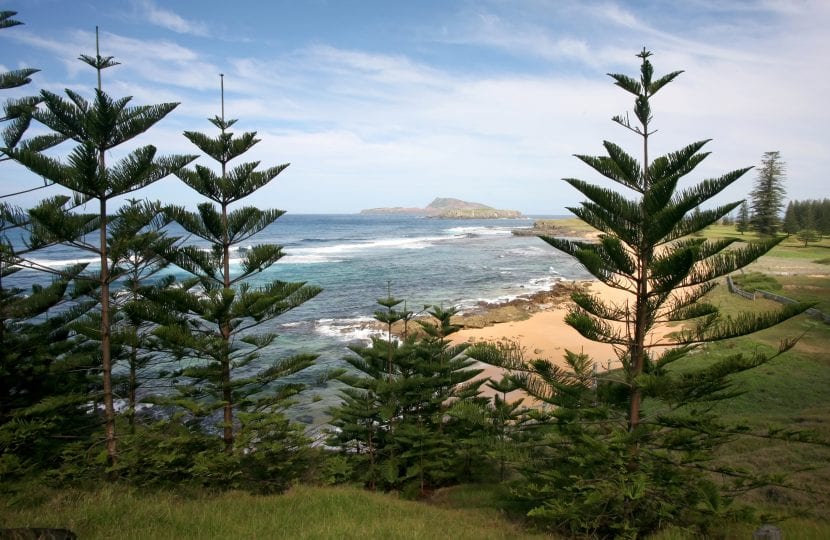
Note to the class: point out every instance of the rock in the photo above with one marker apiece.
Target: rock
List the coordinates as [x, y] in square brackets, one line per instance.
[479, 213]
[541, 227]
[558, 228]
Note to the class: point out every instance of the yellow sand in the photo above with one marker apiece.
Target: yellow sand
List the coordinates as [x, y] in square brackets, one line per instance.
[545, 335]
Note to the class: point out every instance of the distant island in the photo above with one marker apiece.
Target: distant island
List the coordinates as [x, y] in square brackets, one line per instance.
[448, 208]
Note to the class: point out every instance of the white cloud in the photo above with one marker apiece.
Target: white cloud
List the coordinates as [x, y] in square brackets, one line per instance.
[169, 20]
[611, 11]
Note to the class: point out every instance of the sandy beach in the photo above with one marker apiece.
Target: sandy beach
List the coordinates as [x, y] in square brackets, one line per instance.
[545, 334]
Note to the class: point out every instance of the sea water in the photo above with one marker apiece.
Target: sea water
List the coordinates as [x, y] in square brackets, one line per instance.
[356, 259]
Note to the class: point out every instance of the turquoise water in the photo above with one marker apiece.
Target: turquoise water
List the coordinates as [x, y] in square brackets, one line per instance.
[455, 263]
[425, 261]
[452, 263]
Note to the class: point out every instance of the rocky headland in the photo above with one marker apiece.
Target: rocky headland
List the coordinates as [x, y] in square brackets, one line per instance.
[448, 208]
[561, 228]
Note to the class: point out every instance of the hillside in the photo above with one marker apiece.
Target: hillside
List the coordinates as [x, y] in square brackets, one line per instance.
[448, 208]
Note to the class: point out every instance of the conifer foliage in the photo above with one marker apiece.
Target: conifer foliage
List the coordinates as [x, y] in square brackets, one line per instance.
[768, 195]
[142, 248]
[810, 215]
[18, 112]
[97, 127]
[615, 468]
[402, 423]
[220, 307]
[41, 389]
[744, 218]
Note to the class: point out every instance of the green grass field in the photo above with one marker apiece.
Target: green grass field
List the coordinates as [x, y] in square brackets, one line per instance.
[792, 391]
[304, 512]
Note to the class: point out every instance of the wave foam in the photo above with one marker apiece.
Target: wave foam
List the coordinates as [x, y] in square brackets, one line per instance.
[512, 293]
[481, 231]
[62, 263]
[339, 252]
[348, 330]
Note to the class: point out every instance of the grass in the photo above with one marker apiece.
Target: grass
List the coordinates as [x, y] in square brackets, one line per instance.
[810, 288]
[568, 226]
[792, 529]
[793, 249]
[303, 512]
[753, 281]
[790, 391]
[789, 248]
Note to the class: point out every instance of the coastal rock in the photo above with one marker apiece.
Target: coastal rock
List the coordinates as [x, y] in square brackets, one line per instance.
[479, 213]
[560, 228]
[490, 313]
[541, 227]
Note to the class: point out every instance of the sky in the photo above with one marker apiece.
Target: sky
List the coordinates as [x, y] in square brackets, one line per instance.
[393, 103]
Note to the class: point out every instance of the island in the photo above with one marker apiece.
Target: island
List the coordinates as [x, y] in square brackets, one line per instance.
[448, 208]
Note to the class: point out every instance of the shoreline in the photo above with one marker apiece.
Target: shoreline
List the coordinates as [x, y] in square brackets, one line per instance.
[544, 334]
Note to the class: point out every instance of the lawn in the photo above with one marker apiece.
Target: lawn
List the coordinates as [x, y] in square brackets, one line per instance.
[304, 512]
[792, 391]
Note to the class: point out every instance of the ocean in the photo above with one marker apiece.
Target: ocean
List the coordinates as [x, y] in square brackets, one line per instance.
[354, 258]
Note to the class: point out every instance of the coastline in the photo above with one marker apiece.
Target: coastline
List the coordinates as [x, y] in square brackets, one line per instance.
[544, 333]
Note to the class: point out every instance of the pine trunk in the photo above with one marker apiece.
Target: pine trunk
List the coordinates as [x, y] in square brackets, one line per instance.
[106, 353]
[227, 397]
[132, 387]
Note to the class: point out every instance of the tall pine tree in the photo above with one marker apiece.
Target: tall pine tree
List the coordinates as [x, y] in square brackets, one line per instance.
[140, 248]
[768, 195]
[221, 308]
[42, 375]
[97, 127]
[614, 467]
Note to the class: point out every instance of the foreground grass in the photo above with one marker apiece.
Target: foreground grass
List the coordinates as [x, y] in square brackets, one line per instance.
[304, 512]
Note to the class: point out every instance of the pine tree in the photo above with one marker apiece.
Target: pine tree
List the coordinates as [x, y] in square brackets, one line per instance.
[614, 470]
[809, 214]
[744, 219]
[768, 195]
[140, 247]
[221, 310]
[18, 112]
[807, 236]
[823, 216]
[511, 420]
[790, 224]
[400, 422]
[97, 127]
[42, 375]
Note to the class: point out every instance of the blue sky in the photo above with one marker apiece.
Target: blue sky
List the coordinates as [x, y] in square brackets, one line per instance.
[393, 103]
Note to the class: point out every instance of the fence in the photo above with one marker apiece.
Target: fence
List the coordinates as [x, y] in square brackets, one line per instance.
[734, 289]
